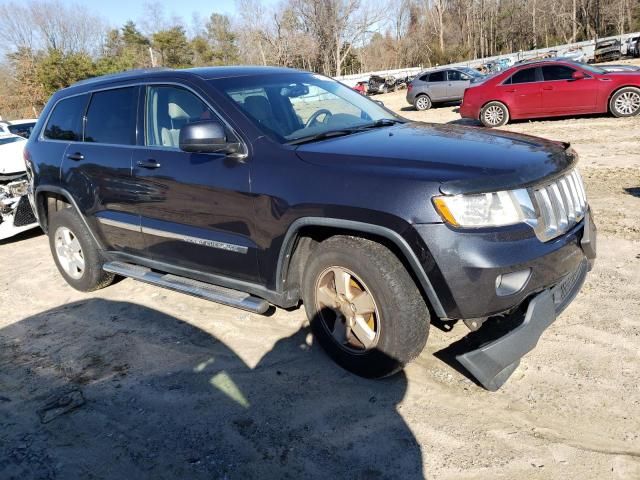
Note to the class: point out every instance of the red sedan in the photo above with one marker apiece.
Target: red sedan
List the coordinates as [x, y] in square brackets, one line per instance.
[551, 89]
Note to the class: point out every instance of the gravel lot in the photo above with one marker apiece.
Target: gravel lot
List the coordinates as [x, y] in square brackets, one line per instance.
[138, 382]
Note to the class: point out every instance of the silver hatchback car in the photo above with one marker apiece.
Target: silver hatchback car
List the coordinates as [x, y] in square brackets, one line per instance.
[445, 85]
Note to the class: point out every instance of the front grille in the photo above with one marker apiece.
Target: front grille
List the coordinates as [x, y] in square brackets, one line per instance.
[24, 213]
[560, 205]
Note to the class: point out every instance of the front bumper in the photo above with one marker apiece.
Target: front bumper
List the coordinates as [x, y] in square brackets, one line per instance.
[468, 263]
[558, 271]
[16, 216]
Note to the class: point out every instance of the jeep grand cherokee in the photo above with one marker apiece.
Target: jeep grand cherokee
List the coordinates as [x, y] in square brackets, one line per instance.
[254, 187]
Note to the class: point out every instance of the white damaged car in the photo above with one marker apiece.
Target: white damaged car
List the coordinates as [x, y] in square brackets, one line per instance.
[16, 214]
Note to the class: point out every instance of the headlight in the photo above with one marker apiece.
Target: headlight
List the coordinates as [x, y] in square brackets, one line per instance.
[495, 209]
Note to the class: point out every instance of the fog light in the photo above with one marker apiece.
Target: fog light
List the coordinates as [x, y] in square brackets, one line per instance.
[510, 283]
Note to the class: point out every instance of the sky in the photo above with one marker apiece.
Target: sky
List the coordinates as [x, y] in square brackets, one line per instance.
[116, 12]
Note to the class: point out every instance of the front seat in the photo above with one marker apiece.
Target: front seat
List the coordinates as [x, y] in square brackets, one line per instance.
[260, 109]
[182, 108]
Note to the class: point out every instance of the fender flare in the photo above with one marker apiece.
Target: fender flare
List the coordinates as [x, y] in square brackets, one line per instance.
[292, 234]
[65, 193]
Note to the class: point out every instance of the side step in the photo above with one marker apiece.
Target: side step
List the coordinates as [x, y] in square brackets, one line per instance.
[214, 293]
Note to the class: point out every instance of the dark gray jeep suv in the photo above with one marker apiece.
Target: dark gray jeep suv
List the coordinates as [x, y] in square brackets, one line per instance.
[255, 187]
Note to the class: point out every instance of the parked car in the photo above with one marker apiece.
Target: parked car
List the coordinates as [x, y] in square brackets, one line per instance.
[361, 88]
[253, 186]
[15, 211]
[378, 84]
[632, 46]
[18, 127]
[607, 50]
[550, 89]
[445, 85]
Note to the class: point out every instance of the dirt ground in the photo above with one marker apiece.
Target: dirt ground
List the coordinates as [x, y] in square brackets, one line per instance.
[138, 382]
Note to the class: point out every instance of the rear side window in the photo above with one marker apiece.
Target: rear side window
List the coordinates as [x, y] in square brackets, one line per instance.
[111, 117]
[524, 76]
[557, 72]
[65, 122]
[437, 77]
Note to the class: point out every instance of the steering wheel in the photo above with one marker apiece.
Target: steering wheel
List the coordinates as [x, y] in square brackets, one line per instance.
[314, 118]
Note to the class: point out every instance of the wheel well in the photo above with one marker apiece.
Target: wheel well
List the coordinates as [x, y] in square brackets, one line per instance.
[309, 237]
[47, 203]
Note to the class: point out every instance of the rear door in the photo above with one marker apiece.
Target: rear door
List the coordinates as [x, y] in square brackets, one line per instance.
[437, 86]
[98, 170]
[457, 84]
[561, 94]
[196, 209]
[522, 92]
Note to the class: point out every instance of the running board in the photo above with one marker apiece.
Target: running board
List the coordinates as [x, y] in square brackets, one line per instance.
[214, 293]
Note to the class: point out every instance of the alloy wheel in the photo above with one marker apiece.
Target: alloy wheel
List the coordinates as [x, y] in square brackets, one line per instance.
[422, 103]
[494, 115]
[348, 310]
[628, 103]
[69, 252]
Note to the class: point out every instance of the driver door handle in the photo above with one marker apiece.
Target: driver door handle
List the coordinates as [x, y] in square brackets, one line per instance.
[151, 163]
[547, 88]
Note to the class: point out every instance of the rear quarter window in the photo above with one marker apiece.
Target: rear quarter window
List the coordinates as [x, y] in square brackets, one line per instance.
[65, 121]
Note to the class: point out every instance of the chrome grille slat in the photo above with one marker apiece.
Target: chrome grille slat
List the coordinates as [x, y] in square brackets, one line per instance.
[560, 205]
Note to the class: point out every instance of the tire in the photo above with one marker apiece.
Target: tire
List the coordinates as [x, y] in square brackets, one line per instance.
[494, 114]
[422, 102]
[67, 233]
[385, 89]
[625, 102]
[400, 318]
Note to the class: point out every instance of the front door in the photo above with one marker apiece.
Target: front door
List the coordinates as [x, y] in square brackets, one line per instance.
[457, 84]
[561, 94]
[196, 209]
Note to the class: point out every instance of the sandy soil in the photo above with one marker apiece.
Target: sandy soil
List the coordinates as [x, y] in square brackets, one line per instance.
[138, 382]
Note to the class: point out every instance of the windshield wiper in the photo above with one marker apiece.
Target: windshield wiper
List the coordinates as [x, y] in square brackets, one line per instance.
[323, 135]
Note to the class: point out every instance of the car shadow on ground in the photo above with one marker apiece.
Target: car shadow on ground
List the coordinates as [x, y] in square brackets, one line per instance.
[633, 191]
[105, 389]
[34, 232]
[435, 106]
[477, 123]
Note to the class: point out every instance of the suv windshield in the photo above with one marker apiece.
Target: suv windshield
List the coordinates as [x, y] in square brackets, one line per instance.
[303, 106]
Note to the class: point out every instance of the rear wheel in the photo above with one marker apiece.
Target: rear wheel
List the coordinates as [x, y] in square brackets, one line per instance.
[494, 114]
[364, 307]
[625, 102]
[75, 253]
[423, 102]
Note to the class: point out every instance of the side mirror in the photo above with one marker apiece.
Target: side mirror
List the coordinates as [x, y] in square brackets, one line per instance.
[577, 75]
[205, 137]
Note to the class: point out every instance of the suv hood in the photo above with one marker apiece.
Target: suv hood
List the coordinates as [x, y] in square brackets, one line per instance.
[462, 159]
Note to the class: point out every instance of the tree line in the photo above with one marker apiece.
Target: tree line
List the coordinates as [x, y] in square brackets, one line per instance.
[49, 45]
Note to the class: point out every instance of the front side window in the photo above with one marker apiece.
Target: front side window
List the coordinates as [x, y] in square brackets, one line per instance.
[299, 105]
[111, 117]
[22, 129]
[437, 77]
[168, 109]
[65, 122]
[456, 76]
[556, 72]
[526, 75]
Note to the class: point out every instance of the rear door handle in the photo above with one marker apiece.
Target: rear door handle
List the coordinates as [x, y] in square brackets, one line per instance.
[75, 156]
[547, 88]
[511, 90]
[148, 164]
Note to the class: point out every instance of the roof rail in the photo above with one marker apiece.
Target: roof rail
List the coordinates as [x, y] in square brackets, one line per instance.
[121, 75]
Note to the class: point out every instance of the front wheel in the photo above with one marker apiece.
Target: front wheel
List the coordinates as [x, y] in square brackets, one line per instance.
[364, 308]
[625, 102]
[494, 114]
